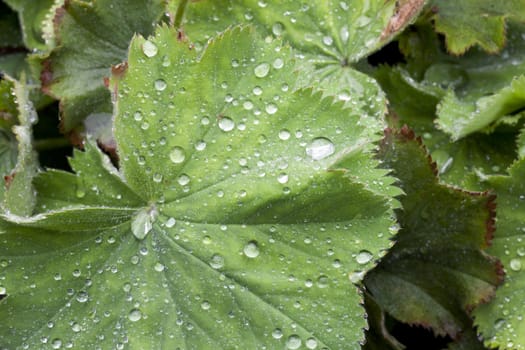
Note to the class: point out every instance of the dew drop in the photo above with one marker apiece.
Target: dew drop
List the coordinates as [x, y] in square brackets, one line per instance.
[75, 327]
[226, 124]
[278, 63]
[135, 315]
[515, 264]
[143, 222]
[149, 48]
[277, 28]
[271, 108]
[344, 34]
[363, 257]
[277, 333]
[257, 91]
[311, 343]
[251, 249]
[56, 343]
[216, 261]
[177, 155]
[320, 148]
[160, 85]
[322, 281]
[282, 178]
[157, 177]
[183, 180]
[205, 305]
[284, 134]
[200, 146]
[159, 267]
[293, 342]
[82, 297]
[3, 290]
[261, 70]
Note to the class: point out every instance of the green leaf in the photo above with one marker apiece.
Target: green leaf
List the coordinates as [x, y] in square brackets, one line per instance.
[438, 270]
[378, 335]
[466, 23]
[462, 163]
[92, 36]
[501, 322]
[216, 232]
[20, 196]
[33, 16]
[330, 38]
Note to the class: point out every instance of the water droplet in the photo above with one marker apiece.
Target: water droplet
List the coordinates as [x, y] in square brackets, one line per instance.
[278, 63]
[515, 264]
[200, 145]
[277, 333]
[216, 261]
[82, 297]
[177, 155]
[56, 343]
[284, 134]
[135, 315]
[159, 267]
[271, 108]
[277, 28]
[205, 305]
[344, 34]
[166, 62]
[363, 257]
[262, 70]
[157, 177]
[160, 85]
[251, 249]
[183, 180]
[257, 91]
[226, 124]
[3, 290]
[293, 342]
[320, 148]
[311, 343]
[149, 48]
[143, 222]
[282, 178]
[322, 281]
[75, 327]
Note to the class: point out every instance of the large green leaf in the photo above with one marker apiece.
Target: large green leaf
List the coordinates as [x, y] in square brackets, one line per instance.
[91, 37]
[501, 322]
[438, 270]
[466, 23]
[216, 232]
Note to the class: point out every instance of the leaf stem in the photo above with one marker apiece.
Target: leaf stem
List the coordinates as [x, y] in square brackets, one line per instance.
[51, 143]
[180, 13]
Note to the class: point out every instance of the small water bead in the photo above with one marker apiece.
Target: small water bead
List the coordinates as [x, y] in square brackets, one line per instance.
[183, 180]
[205, 120]
[322, 281]
[262, 70]
[57, 277]
[160, 85]
[363, 257]
[159, 267]
[82, 297]
[144, 126]
[137, 116]
[251, 250]
[311, 343]
[320, 148]
[344, 33]
[216, 261]
[75, 327]
[257, 91]
[166, 62]
[284, 135]
[271, 108]
[277, 333]
[200, 145]
[135, 315]
[3, 290]
[56, 343]
[278, 63]
[277, 28]
[177, 155]
[293, 342]
[235, 63]
[157, 177]
[226, 124]
[247, 105]
[282, 178]
[149, 49]
[356, 276]
[515, 264]
[205, 305]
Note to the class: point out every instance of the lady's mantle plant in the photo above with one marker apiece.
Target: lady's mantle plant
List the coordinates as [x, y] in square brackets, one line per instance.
[244, 178]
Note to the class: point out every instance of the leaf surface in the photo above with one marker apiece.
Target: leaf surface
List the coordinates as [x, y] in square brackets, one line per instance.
[438, 270]
[215, 233]
[92, 36]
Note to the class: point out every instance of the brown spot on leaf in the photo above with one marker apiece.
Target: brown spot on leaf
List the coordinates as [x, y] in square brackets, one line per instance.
[405, 11]
[46, 76]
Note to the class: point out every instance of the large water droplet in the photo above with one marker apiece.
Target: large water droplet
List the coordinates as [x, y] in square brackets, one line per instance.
[320, 148]
[277, 333]
[271, 108]
[226, 124]
[82, 297]
[177, 155]
[322, 281]
[135, 315]
[282, 178]
[284, 134]
[363, 257]
[262, 70]
[160, 85]
[515, 264]
[149, 48]
[143, 222]
[183, 180]
[311, 343]
[277, 28]
[170, 222]
[251, 249]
